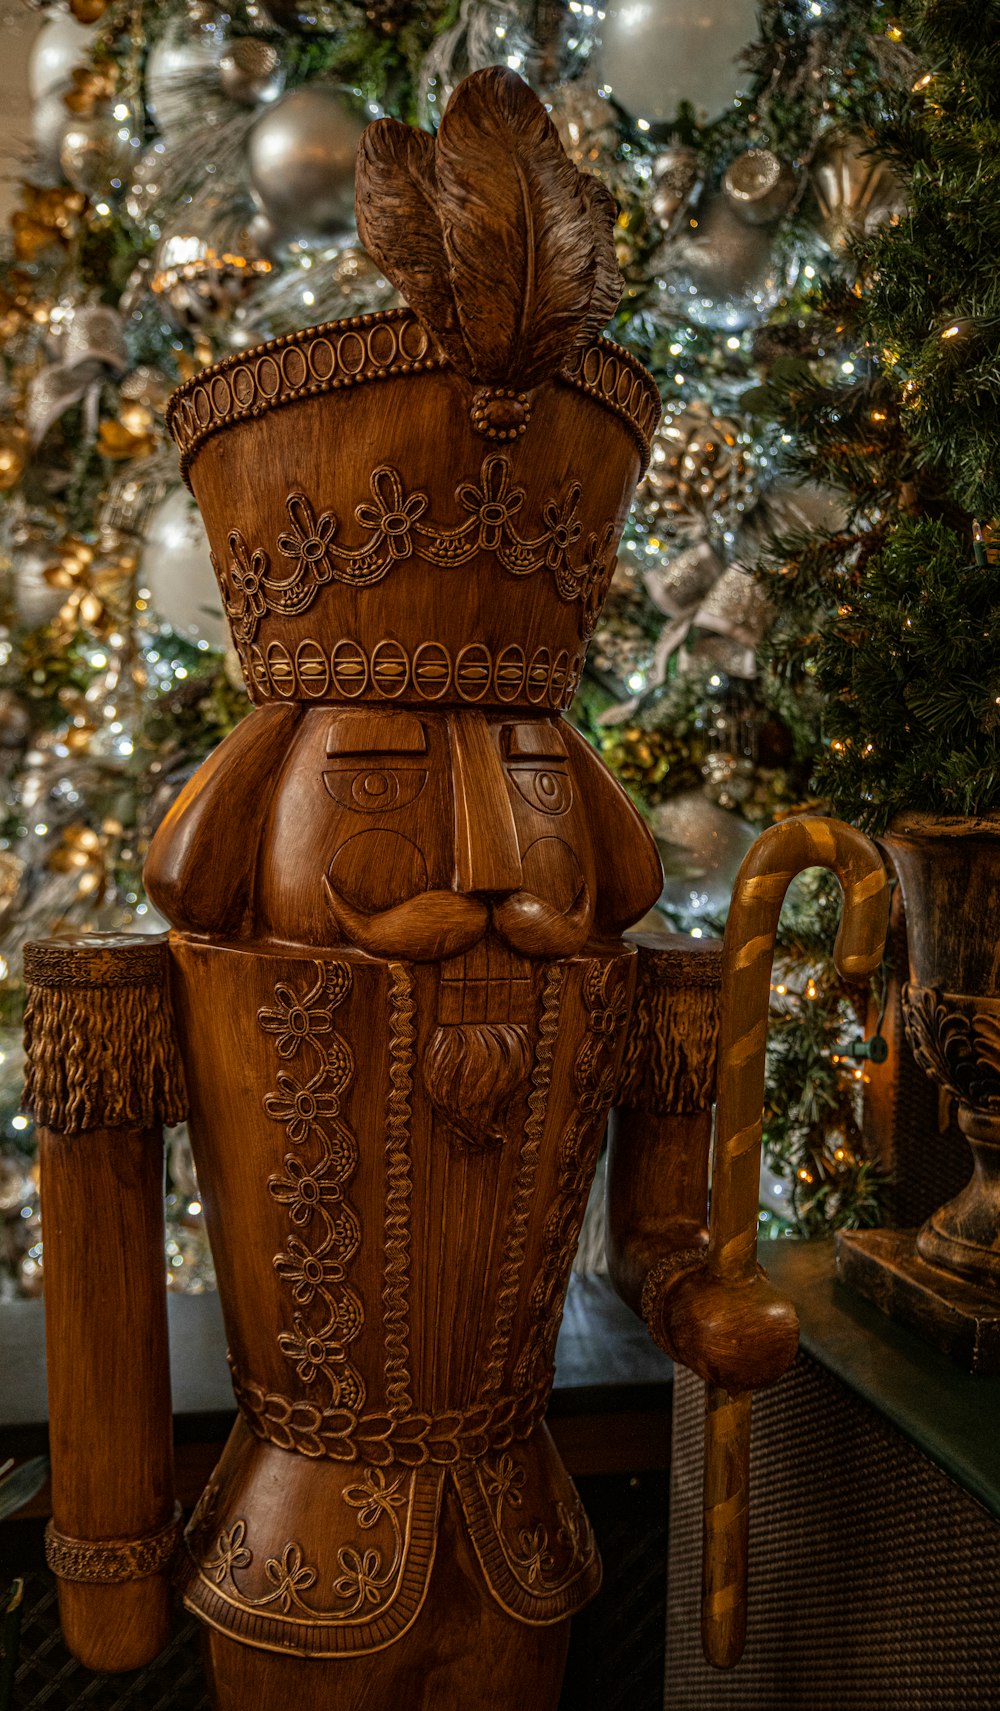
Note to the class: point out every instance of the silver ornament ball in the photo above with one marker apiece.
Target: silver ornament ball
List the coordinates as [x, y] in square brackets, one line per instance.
[721, 272]
[701, 846]
[59, 47]
[654, 54]
[300, 157]
[176, 567]
[48, 122]
[36, 602]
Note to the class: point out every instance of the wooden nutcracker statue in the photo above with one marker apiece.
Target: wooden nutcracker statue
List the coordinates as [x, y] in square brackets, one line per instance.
[396, 980]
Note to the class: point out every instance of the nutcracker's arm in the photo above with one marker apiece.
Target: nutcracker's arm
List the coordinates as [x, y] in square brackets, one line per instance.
[103, 1076]
[706, 1301]
[661, 1124]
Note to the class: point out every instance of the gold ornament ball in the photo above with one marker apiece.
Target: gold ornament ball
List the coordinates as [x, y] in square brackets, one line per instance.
[854, 192]
[15, 450]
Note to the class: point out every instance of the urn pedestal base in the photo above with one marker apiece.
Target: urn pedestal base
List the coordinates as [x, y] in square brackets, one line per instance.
[960, 1319]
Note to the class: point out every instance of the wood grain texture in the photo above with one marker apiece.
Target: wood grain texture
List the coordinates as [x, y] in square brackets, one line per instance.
[397, 894]
[95, 1004]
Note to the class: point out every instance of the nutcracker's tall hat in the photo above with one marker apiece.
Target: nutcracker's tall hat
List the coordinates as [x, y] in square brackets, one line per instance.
[437, 492]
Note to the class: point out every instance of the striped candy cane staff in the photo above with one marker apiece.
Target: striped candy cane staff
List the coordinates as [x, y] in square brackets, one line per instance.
[747, 954]
[714, 1309]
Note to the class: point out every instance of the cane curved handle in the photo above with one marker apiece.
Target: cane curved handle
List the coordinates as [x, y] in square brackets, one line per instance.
[731, 1263]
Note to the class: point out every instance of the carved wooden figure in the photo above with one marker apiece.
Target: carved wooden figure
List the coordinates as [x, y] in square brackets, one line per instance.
[399, 985]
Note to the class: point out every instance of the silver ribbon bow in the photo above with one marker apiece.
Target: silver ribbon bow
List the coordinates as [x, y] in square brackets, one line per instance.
[92, 350]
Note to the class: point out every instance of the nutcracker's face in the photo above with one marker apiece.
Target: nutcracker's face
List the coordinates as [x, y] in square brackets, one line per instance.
[438, 827]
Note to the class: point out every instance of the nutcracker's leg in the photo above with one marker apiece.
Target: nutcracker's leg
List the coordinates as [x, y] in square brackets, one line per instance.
[463, 1653]
[103, 1076]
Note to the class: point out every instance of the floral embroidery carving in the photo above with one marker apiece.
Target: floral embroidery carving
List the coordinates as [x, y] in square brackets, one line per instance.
[368, 1570]
[398, 529]
[531, 1551]
[326, 1232]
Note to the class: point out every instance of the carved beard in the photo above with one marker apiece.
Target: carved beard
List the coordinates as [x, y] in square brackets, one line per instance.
[472, 1070]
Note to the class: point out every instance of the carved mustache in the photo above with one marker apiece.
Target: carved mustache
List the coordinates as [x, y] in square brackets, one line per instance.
[438, 924]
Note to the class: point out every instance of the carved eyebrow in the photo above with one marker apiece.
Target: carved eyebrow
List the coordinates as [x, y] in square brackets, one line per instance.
[534, 742]
[370, 733]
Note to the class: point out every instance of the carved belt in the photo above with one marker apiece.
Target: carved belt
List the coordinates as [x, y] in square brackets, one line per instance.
[412, 1439]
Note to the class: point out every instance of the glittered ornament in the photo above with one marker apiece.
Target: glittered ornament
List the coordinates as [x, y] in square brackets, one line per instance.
[48, 215]
[93, 152]
[15, 450]
[758, 186]
[251, 72]
[59, 47]
[674, 181]
[701, 847]
[176, 567]
[654, 763]
[205, 264]
[700, 471]
[300, 157]
[679, 584]
[654, 54]
[721, 272]
[855, 192]
[621, 653]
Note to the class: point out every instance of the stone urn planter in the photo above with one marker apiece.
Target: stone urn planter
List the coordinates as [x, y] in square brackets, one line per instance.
[945, 1278]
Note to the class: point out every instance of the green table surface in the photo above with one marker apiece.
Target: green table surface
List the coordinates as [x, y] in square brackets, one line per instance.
[951, 1415]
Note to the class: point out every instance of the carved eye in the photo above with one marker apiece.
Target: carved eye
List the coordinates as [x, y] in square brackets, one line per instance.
[544, 787]
[374, 789]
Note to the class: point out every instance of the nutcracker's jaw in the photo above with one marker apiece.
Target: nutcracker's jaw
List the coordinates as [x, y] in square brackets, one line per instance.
[406, 835]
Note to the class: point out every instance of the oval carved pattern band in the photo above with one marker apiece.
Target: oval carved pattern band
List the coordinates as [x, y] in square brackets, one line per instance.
[106, 1562]
[429, 674]
[383, 346]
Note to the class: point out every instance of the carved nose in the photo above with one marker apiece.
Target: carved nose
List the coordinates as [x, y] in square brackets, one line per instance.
[487, 856]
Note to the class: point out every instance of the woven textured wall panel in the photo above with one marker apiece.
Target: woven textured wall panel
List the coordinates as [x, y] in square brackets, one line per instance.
[874, 1580]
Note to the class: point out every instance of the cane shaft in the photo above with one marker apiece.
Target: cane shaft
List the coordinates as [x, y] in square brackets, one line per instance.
[726, 1524]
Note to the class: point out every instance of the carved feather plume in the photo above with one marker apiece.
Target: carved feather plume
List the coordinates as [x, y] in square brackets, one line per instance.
[603, 210]
[500, 245]
[396, 207]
